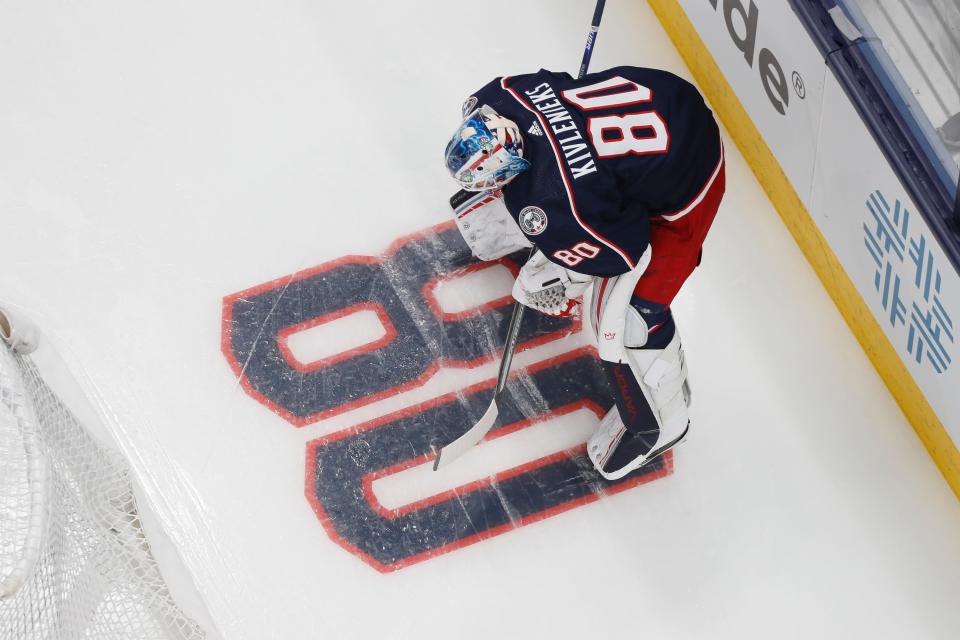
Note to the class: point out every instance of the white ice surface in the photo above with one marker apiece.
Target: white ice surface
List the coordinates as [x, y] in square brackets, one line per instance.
[155, 157]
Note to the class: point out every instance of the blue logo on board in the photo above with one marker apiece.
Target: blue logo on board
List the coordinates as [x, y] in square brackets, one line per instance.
[908, 279]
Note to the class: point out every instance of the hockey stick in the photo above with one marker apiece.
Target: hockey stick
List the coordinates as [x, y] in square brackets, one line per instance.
[591, 38]
[475, 434]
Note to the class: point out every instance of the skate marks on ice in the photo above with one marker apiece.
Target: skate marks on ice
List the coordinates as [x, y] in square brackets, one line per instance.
[362, 329]
[341, 469]
[402, 288]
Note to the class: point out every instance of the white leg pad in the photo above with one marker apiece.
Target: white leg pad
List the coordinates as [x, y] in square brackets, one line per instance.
[604, 442]
[610, 309]
[661, 375]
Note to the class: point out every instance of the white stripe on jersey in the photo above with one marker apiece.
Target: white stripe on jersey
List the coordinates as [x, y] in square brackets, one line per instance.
[566, 184]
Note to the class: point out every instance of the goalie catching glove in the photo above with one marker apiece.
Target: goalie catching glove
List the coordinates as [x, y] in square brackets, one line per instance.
[550, 288]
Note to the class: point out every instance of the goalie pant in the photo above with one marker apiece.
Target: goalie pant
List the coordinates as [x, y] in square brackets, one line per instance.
[648, 371]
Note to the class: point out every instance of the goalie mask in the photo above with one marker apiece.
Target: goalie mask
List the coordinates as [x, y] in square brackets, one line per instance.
[486, 152]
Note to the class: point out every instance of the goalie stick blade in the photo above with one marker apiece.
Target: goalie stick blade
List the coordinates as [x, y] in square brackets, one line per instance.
[464, 443]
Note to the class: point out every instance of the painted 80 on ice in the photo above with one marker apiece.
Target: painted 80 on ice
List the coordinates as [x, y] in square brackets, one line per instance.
[418, 338]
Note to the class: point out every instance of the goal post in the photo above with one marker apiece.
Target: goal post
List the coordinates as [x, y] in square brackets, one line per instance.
[75, 561]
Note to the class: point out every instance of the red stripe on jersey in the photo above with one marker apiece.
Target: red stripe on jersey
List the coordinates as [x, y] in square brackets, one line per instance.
[566, 182]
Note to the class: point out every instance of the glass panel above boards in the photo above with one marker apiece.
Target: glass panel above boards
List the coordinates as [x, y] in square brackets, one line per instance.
[922, 41]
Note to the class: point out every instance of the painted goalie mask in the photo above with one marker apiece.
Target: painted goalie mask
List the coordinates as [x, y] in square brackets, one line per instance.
[486, 151]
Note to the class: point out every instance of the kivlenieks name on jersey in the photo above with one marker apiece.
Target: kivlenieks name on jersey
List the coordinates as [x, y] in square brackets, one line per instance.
[609, 153]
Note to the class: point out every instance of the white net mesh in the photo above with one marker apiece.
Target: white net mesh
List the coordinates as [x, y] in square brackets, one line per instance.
[74, 559]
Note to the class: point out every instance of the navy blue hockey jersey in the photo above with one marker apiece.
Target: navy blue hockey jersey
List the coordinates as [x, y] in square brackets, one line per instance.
[608, 153]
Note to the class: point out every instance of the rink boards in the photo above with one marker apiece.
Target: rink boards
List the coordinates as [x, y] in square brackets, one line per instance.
[873, 250]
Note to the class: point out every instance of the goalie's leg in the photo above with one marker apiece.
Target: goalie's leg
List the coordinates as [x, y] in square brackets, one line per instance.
[651, 393]
[647, 368]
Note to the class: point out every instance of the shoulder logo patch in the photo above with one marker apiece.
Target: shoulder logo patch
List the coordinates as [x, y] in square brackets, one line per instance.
[533, 221]
[535, 129]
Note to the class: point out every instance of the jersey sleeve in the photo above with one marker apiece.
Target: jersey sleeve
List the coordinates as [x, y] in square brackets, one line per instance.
[594, 244]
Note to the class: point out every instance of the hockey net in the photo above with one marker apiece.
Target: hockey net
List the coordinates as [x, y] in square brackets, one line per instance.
[74, 558]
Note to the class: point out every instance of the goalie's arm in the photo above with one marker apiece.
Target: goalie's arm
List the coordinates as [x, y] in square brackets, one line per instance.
[594, 236]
